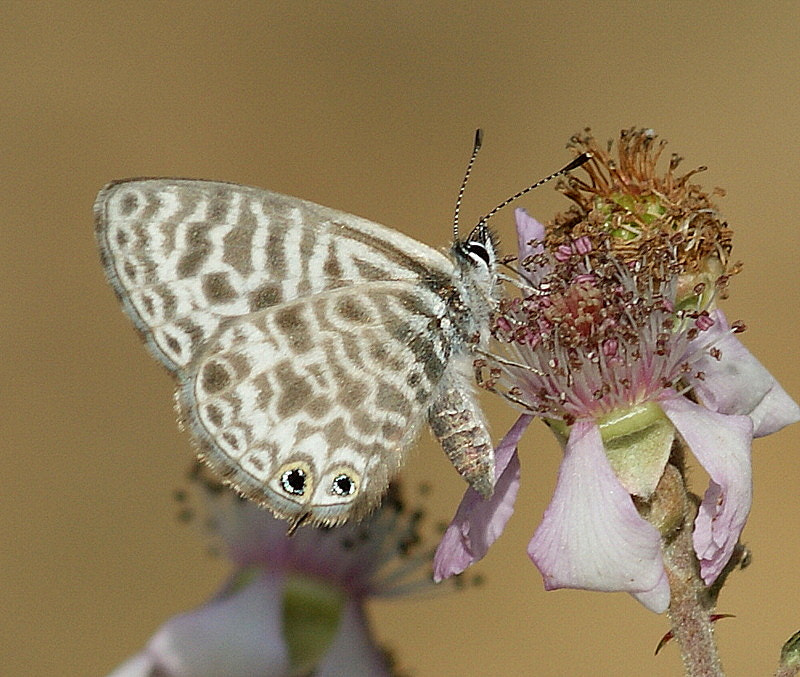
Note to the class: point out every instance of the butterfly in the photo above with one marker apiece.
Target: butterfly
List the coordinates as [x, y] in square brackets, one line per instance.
[309, 345]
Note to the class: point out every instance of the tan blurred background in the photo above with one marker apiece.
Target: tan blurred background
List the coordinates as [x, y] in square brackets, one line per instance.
[368, 107]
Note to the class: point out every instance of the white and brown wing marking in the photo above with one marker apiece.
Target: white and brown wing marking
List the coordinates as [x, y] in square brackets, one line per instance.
[308, 343]
[310, 406]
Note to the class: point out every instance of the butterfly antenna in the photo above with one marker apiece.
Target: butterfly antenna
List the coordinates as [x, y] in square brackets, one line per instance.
[577, 162]
[476, 146]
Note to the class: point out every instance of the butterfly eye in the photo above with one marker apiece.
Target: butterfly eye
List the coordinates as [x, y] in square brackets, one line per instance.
[293, 481]
[343, 485]
[478, 250]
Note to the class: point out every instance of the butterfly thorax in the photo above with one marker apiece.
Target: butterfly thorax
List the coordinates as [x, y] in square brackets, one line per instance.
[476, 285]
[453, 413]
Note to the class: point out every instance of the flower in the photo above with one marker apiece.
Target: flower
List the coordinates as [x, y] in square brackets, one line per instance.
[617, 344]
[294, 604]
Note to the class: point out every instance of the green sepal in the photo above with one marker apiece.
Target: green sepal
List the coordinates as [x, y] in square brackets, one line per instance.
[790, 652]
[637, 442]
[311, 614]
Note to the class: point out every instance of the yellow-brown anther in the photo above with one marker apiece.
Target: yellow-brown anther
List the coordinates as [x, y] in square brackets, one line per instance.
[638, 210]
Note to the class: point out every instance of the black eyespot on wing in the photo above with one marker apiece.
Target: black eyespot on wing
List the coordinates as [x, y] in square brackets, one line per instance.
[294, 482]
[343, 485]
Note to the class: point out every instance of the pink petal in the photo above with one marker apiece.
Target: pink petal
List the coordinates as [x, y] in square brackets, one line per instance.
[528, 229]
[657, 599]
[353, 651]
[140, 665]
[591, 536]
[478, 523]
[251, 535]
[722, 445]
[739, 384]
[236, 634]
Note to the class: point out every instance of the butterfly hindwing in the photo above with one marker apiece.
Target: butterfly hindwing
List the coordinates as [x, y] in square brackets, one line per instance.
[310, 406]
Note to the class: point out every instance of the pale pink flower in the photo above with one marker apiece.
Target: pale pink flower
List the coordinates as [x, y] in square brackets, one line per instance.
[603, 349]
[295, 605]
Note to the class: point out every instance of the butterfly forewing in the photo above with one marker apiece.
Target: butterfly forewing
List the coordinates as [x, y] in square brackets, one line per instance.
[308, 343]
[183, 255]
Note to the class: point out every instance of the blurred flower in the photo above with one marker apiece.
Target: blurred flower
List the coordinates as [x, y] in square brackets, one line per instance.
[295, 605]
[617, 344]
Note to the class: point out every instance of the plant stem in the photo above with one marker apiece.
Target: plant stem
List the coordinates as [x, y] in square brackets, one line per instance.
[690, 604]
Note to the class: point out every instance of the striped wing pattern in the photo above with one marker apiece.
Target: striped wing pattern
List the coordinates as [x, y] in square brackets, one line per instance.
[184, 255]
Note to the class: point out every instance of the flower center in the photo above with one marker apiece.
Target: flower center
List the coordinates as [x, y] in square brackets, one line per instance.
[595, 333]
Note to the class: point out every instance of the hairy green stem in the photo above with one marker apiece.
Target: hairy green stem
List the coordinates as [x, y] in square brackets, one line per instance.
[672, 511]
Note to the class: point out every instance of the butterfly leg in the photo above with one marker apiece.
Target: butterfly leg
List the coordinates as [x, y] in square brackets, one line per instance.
[458, 423]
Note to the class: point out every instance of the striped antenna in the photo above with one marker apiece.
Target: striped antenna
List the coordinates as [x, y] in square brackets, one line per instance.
[577, 162]
[476, 146]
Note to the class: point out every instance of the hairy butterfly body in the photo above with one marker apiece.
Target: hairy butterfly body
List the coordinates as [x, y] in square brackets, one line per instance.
[309, 345]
